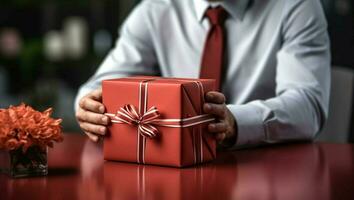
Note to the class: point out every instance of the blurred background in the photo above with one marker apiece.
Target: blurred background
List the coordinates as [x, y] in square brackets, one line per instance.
[48, 48]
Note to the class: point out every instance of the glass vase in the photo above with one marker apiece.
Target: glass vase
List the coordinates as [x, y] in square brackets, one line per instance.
[17, 163]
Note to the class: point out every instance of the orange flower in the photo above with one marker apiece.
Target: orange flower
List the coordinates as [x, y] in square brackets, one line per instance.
[22, 126]
[12, 144]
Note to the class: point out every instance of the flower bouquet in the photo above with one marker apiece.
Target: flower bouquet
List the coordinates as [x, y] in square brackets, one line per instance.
[25, 135]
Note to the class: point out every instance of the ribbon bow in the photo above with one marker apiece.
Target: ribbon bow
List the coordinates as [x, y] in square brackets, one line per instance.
[128, 114]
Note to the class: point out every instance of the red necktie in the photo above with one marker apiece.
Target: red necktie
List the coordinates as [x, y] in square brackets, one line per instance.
[212, 60]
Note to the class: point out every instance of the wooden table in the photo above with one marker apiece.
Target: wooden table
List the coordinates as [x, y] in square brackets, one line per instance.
[294, 171]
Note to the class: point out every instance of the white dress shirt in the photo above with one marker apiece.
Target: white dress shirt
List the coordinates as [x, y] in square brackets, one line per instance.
[278, 60]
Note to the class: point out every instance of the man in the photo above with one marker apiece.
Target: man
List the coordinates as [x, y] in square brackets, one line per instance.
[270, 58]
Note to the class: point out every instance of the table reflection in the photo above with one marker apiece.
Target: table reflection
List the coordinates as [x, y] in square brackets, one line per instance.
[283, 173]
[133, 181]
[130, 181]
[293, 172]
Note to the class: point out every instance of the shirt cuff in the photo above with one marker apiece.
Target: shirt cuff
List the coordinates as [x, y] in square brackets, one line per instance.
[249, 125]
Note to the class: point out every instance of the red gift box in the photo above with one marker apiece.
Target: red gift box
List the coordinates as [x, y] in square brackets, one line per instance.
[158, 121]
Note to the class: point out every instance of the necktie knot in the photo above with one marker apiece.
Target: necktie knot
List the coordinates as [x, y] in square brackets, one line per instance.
[217, 16]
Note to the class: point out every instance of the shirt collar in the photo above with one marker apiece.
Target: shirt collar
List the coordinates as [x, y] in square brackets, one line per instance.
[236, 8]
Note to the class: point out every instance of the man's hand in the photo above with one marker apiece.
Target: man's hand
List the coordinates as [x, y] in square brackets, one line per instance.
[90, 115]
[225, 128]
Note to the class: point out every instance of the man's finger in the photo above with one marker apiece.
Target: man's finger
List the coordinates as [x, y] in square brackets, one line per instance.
[92, 136]
[217, 127]
[93, 128]
[220, 137]
[215, 109]
[92, 105]
[96, 94]
[215, 97]
[94, 118]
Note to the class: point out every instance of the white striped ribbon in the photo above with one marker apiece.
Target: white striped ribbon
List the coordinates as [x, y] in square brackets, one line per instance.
[147, 122]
